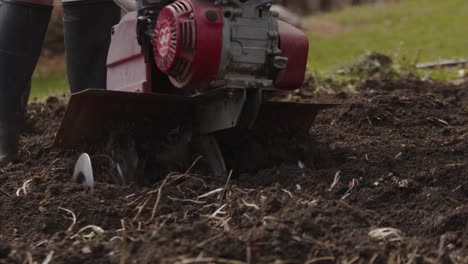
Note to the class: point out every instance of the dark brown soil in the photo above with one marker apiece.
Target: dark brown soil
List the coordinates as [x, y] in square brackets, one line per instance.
[400, 154]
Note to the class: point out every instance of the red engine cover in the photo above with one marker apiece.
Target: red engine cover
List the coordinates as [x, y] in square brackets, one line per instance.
[295, 46]
[188, 41]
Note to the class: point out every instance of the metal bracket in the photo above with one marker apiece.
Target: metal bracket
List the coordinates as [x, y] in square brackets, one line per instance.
[229, 108]
[220, 110]
[251, 109]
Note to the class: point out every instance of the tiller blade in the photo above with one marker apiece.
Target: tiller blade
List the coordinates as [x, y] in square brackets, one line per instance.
[225, 126]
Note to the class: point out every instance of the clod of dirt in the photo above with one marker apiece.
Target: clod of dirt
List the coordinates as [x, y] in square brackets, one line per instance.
[5, 250]
[371, 65]
[273, 205]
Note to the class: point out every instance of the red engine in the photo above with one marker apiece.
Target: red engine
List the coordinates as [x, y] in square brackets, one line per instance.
[196, 42]
[200, 78]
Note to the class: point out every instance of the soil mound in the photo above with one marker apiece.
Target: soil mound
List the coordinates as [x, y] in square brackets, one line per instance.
[388, 184]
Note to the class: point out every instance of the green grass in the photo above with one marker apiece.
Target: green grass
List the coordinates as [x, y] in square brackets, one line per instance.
[423, 30]
[46, 85]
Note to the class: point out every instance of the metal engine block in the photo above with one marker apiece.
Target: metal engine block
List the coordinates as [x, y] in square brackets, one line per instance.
[249, 56]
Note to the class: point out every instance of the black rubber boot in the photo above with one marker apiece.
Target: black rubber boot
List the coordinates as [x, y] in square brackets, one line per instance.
[22, 30]
[87, 29]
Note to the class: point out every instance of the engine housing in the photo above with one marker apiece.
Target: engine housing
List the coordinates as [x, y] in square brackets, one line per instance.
[204, 44]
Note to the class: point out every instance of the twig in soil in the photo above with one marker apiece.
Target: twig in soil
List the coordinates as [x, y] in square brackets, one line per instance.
[73, 218]
[48, 258]
[336, 180]
[167, 218]
[441, 249]
[288, 193]
[193, 165]
[136, 200]
[224, 222]
[49, 167]
[453, 165]
[158, 199]
[209, 260]
[40, 243]
[130, 196]
[386, 233]
[267, 219]
[203, 243]
[210, 193]
[225, 186]
[116, 238]
[374, 257]
[352, 185]
[250, 204]
[95, 230]
[142, 206]
[351, 261]
[123, 245]
[169, 177]
[219, 211]
[320, 259]
[442, 121]
[243, 191]
[24, 188]
[29, 258]
[186, 200]
[248, 253]
[412, 257]
[247, 216]
[398, 156]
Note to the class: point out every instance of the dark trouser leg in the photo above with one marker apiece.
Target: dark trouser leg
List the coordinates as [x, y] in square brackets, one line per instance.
[87, 29]
[23, 24]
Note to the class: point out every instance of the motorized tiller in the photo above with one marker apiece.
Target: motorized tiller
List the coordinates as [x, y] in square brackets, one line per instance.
[195, 78]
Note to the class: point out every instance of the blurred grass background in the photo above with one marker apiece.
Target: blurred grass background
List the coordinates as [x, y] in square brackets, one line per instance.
[49, 84]
[419, 30]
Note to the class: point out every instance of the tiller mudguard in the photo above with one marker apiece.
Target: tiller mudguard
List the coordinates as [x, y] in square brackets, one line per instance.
[222, 126]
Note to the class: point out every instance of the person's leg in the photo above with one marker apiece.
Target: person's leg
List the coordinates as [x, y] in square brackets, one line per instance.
[23, 24]
[87, 29]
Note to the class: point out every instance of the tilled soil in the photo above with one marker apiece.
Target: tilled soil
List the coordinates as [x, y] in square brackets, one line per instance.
[387, 183]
